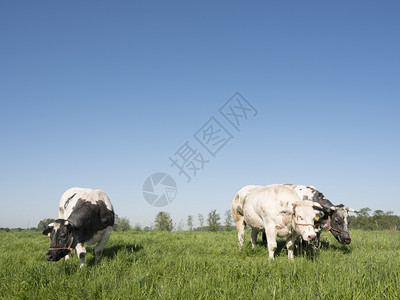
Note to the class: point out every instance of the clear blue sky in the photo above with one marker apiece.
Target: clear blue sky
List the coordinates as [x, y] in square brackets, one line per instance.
[100, 94]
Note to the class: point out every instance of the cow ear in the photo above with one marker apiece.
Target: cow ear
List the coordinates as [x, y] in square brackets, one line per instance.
[69, 226]
[48, 229]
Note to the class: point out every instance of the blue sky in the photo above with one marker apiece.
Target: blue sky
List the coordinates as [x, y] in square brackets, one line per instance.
[100, 94]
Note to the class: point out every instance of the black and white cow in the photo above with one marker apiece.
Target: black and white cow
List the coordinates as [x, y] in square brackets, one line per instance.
[84, 216]
[336, 217]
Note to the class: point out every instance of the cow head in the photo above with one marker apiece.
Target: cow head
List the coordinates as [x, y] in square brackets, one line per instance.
[61, 233]
[304, 214]
[338, 223]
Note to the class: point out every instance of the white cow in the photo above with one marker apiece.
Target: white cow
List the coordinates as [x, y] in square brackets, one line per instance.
[276, 209]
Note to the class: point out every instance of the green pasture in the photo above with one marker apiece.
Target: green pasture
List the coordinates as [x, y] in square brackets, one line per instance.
[202, 265]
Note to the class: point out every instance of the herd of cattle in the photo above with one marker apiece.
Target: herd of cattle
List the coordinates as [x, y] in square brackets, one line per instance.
[86, 216]
[288, 211]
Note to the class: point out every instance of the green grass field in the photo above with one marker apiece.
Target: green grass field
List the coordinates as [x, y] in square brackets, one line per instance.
[202, 265]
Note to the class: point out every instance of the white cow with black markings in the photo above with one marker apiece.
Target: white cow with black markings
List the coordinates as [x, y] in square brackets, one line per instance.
[84, 216]
[278, 210]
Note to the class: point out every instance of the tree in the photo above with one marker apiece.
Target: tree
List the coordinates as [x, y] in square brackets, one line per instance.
[181, 226]
[378, 213]
[380, 220]
[201, 221]
[121, 224]
[213, 220]
[190, 223]
[137, 227]
[42, 225]
[363, 212]
[163, 222]
[228, 220]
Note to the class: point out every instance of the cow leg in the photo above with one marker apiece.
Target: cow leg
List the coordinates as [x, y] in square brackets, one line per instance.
[240, 225]
[254, 233]
[290, 242]
[98, 250]
[271, 240]
[81, 252]
[241, 232]
[264, 238]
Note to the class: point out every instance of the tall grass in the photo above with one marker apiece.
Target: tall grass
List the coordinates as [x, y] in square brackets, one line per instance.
[202, 265]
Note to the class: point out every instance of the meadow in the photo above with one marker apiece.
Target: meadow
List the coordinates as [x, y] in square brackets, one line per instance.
[202, 265]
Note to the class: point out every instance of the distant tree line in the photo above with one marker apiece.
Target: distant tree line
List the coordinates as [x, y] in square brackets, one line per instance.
[163, 222]
[379, 220]
[40, 227]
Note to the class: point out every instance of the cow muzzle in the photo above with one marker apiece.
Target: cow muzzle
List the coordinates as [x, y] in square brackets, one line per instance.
[52, 256]
[311, 237]
[56, 255]
[344, 240]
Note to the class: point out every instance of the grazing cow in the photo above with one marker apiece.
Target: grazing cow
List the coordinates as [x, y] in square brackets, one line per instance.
[84, 216]
[336, 217]
[276, 209]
